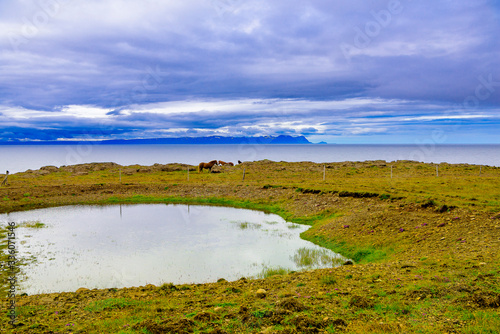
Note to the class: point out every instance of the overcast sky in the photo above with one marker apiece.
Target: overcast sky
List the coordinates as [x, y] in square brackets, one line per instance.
[353, 71]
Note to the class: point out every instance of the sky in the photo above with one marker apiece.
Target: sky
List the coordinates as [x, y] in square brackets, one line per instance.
[358, 71]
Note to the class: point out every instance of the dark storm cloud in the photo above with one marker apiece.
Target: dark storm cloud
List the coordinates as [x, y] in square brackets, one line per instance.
[122, 59]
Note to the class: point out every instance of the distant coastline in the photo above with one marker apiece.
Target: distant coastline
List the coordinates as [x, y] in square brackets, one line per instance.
[282, 139]
[18, 158]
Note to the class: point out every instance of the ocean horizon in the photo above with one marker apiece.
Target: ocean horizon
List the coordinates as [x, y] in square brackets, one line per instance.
[19, 158]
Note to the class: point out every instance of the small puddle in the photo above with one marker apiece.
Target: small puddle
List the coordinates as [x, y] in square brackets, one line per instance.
[117, 246]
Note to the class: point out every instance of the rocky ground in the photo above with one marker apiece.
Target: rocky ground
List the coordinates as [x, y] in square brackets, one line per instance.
[426, 264]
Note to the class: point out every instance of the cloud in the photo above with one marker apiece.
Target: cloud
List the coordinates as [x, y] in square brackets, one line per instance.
[240, 117]
[233, 66]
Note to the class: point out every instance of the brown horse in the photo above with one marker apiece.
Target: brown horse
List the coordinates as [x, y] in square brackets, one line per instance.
[222, 163]
[207, 165]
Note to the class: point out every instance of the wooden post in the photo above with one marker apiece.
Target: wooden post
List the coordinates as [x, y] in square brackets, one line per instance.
[324, 172]
[4, 182]
[480, 167]
[437, 170]
[391, 172]
[188, 172]
[120, 175]
[243, 174]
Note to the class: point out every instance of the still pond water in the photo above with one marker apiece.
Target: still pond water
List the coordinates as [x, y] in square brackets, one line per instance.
[133, 245]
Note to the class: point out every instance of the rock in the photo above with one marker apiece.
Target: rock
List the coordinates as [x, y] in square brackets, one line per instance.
[348, 263]
[261, 293]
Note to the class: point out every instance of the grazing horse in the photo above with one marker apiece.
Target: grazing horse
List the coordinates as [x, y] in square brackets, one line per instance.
[207, 165]
[222, 163]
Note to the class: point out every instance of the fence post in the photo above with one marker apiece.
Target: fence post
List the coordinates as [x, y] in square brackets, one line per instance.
[324, 172]
[188, 172]
[243, 174]
[391, 172]
[437, 170]
[120, 175]
[480, 168]
[4, 182]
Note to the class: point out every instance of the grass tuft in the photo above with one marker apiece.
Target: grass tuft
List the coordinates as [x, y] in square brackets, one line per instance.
[110, 304]
[272, 271]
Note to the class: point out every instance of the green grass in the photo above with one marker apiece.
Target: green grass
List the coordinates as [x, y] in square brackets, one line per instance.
[483, 323]
[360, 254]
[328, 280]
[271, 271]
[110, 304]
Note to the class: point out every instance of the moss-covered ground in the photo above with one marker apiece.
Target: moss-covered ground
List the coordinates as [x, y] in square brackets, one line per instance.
[425, 246]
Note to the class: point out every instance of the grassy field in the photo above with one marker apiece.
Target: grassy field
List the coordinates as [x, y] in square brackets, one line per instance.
[424, 240]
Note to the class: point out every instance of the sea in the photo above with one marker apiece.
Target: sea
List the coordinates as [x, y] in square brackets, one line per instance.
[19, 158]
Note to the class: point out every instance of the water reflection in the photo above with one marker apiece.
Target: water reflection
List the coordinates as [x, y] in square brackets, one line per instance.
[102, 247]
[308, 258]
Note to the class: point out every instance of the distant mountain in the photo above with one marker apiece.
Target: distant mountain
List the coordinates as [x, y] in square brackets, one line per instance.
[282, 139]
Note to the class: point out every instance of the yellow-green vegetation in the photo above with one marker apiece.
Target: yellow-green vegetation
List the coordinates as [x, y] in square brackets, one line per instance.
[271, 271]
[32, 224]
[425, 249]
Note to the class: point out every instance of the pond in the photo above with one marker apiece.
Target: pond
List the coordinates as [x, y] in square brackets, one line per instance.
[117, 246]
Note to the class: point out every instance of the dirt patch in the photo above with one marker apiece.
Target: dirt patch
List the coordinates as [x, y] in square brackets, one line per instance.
[483, 300]
[205, 316]
[425, 292]
[360, 302]
[151, 327]
[306, 324]
[181, 326]
[291, 304]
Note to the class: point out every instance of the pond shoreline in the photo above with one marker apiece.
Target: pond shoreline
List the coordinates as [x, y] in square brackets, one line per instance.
[422, 244]
[123, 245]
